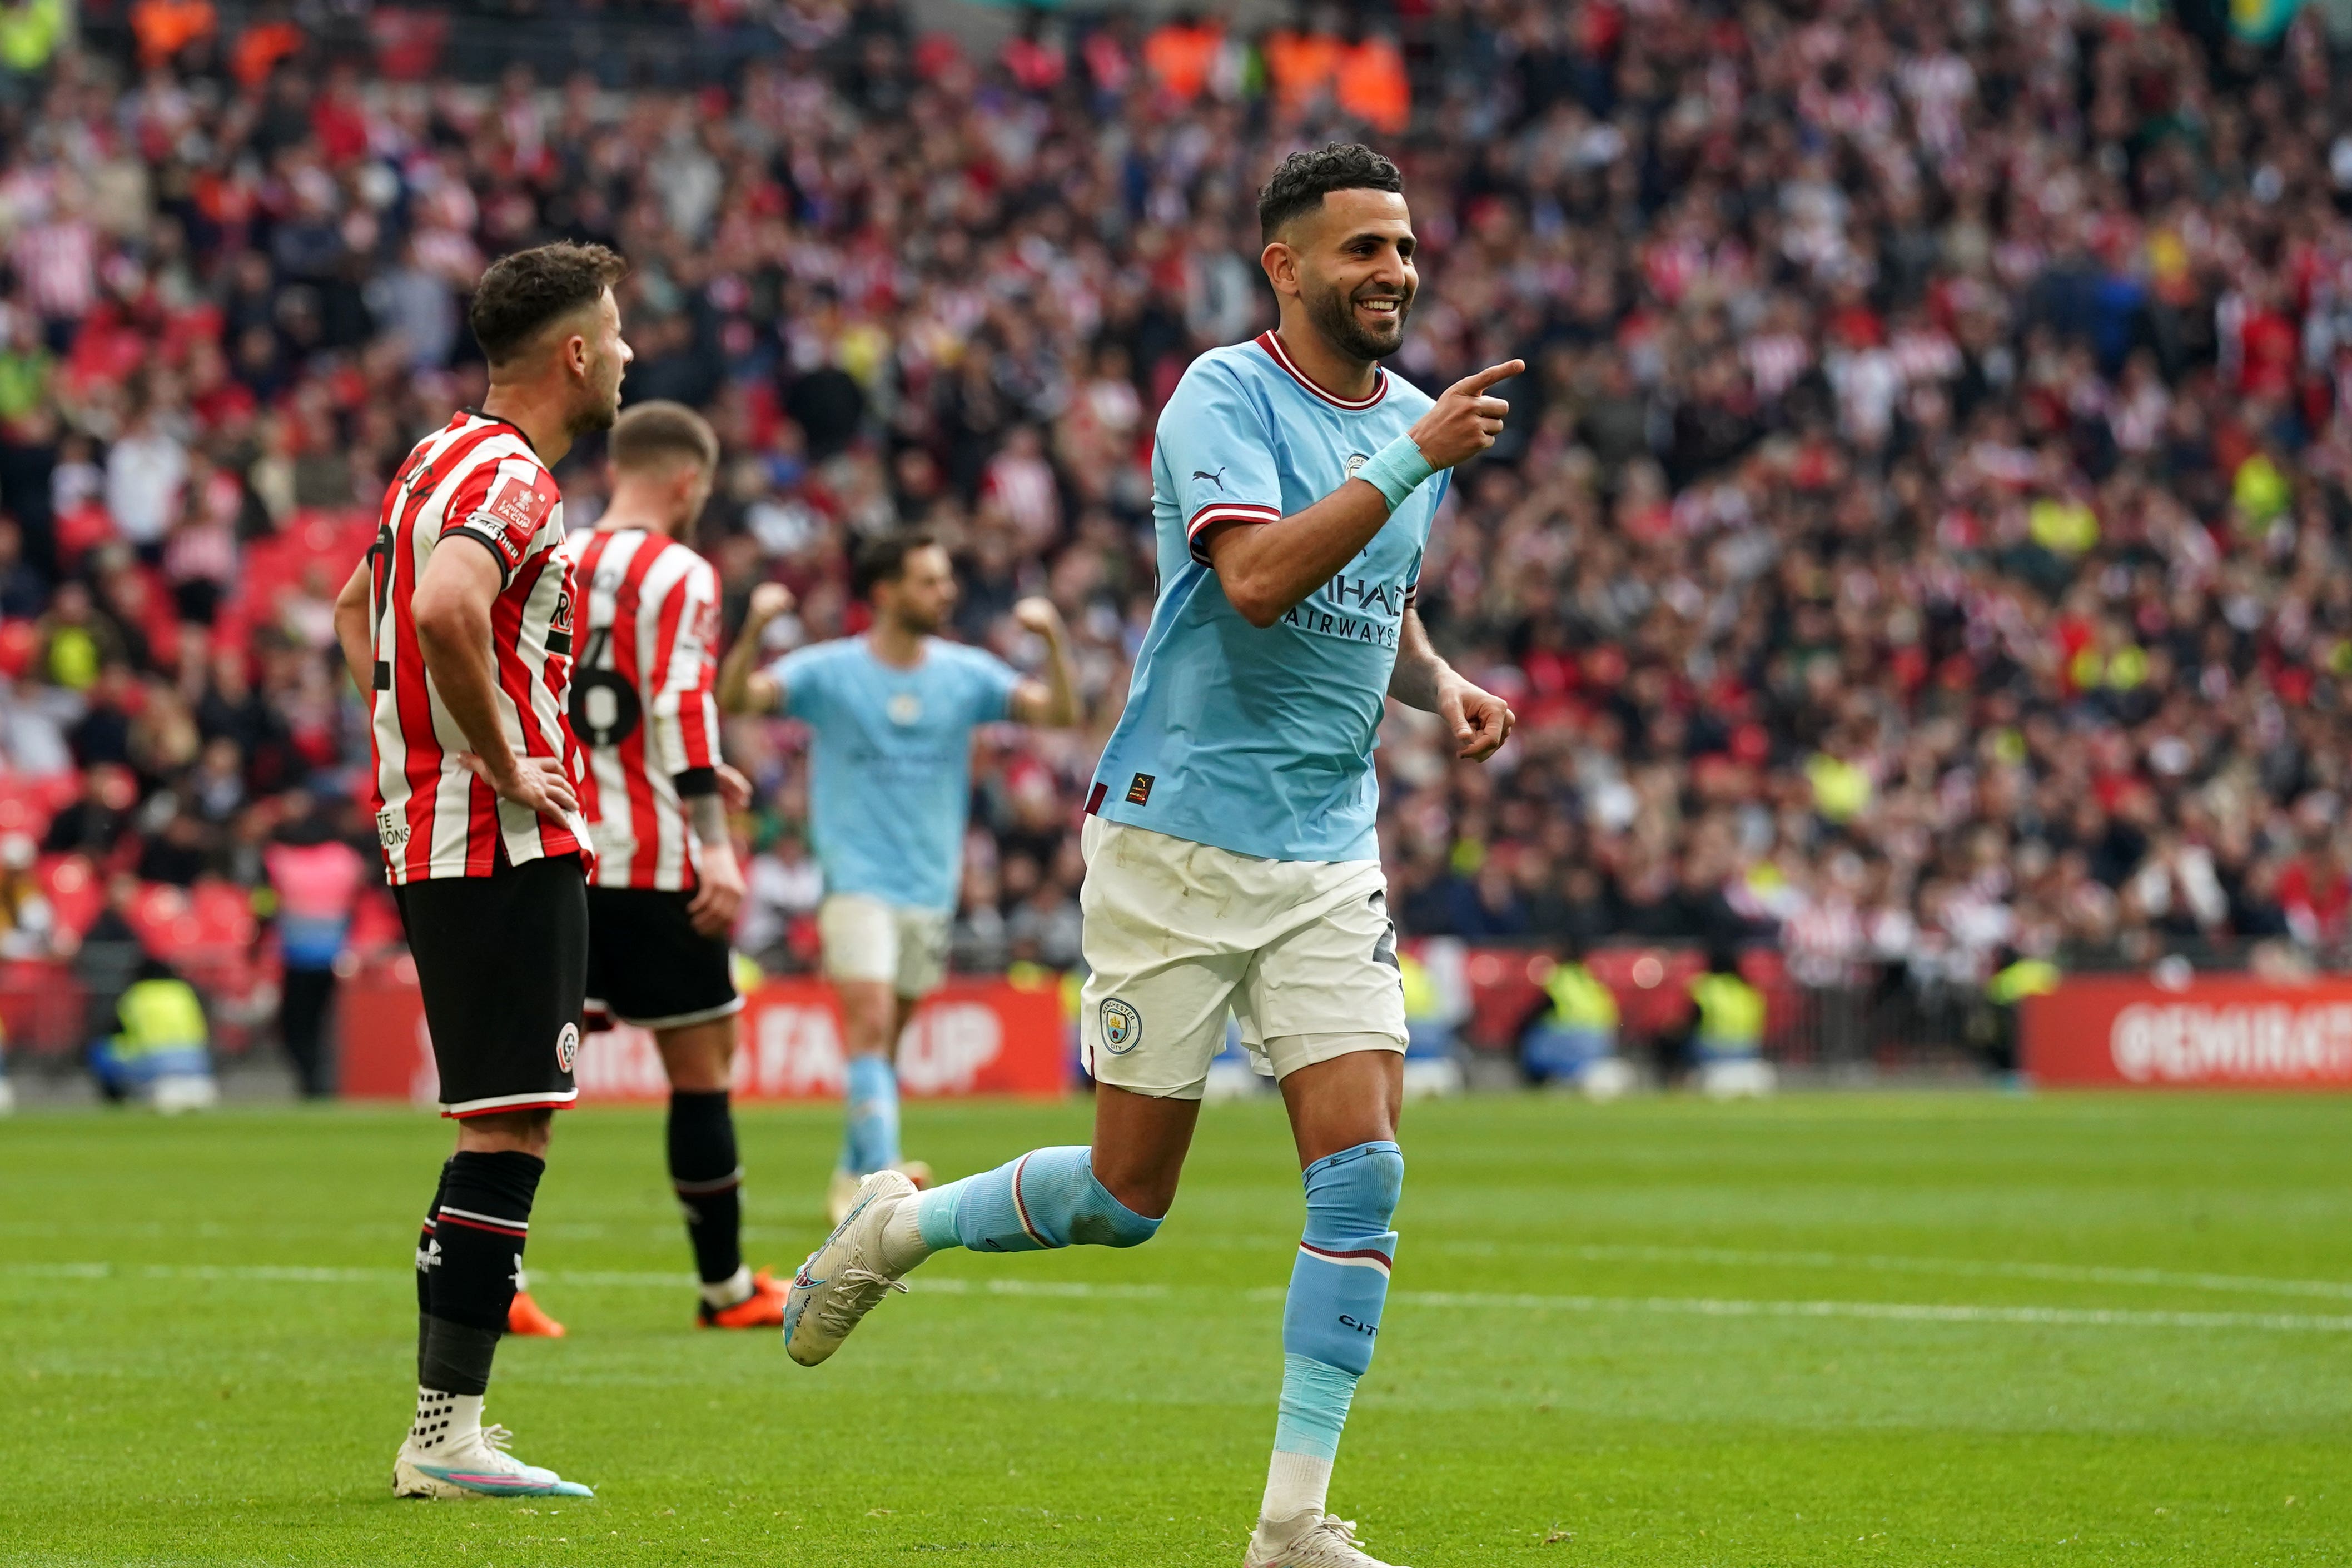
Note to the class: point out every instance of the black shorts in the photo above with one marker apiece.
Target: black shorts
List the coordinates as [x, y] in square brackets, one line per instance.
[648, 966]
[503, 963]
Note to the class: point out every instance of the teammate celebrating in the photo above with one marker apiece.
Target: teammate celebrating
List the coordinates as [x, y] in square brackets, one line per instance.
[459, 625]
[1231, 864]
[666, 885]
[891, 715]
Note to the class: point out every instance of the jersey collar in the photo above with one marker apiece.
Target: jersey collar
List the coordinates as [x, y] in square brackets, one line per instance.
[510, 425]
[1272, 343]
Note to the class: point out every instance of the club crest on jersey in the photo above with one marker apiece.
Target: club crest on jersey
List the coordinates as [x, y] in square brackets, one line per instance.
[1356, 461]
[567, 1047]
[513, 506]
[1122, 1027]
[904, 708]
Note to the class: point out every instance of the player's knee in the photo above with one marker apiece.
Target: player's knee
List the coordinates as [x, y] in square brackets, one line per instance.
[1357, 1189]
[1102, 1220]
[519, 1131]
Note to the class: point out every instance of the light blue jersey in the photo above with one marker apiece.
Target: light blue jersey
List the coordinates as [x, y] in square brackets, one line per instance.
[890, 762]
[1260, 741]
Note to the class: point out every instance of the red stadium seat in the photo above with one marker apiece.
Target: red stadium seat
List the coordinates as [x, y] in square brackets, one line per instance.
[28, 804]
[20, 644]
[164, 918]
[224, 914]
[74, 891]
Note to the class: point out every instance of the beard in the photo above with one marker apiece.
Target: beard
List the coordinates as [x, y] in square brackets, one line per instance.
[600, 409]
[1334, 316]
[922, 623]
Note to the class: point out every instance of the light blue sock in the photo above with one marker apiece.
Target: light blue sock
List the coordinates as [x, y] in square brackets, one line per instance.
[1332, 1318]
[870, 1135]
[1047, 1198]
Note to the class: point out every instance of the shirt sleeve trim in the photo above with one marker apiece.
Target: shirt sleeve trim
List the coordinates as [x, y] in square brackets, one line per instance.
[1224, 512]
[506, 573]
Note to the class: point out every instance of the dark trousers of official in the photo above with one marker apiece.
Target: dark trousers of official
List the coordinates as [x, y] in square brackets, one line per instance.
[302, 1023]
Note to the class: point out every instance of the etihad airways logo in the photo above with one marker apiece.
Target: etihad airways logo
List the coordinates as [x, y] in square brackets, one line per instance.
[1359, 609]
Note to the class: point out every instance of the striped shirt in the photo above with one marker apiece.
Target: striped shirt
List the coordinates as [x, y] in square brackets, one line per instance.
[643, 702]
[477, 476]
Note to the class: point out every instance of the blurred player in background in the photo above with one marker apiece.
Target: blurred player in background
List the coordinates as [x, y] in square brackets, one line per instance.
[890, 717]
[459, 624]
[1232, 863]
[666, 886]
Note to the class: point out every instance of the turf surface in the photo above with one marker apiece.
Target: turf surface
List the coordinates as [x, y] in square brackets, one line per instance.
[1931, 1330]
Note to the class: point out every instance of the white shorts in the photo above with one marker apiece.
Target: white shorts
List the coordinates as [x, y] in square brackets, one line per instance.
[1180, 935]
[890, 943]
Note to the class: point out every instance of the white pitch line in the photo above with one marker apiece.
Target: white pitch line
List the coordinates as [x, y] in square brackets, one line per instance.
[1970, 1267]
[1681, 1306]
[1896, 1311]
[1954, 1268]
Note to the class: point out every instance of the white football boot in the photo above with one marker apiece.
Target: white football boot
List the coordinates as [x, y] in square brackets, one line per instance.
[449, 1453]
[1309, 1542]
[841, 1196]
[845, 1277]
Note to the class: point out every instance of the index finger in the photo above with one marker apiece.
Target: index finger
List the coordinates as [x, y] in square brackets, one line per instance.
[1480, 381]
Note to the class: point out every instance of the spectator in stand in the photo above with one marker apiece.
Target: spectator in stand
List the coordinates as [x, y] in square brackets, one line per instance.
[28, 926]
[315, 879]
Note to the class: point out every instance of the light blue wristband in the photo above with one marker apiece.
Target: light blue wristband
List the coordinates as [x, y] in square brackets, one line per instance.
[1396, 470]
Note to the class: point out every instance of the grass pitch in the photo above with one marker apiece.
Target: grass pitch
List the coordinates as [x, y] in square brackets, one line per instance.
[1885, 1330]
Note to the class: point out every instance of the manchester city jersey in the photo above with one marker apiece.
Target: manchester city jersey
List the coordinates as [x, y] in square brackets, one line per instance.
[890, 770]
[1260, 740]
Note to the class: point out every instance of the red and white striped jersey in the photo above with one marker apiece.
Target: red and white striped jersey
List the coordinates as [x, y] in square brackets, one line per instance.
[478, 476]
[643, 701]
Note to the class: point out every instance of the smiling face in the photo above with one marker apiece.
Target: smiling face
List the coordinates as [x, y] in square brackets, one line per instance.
[1349, 264]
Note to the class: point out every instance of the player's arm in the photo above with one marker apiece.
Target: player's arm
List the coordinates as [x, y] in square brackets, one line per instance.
[1054, 701]
[1480, 720]
[720, 890]
[452, 610]
[1267, 568]
[353, 630]
[743, 686]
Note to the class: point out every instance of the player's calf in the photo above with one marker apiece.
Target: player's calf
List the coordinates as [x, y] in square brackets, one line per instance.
[707, 1175]
[468, 1258]
[1047, 1198]
[1329, 1324]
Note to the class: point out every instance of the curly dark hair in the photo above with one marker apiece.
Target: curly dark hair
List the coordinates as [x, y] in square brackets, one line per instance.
[1300, 186]
[520, 295]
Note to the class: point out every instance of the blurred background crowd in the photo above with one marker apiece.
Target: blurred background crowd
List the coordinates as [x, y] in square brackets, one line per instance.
[1920, 540]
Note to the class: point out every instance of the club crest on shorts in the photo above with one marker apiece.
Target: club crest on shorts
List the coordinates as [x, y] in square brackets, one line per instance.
[1122, 1027]
[567, 1047]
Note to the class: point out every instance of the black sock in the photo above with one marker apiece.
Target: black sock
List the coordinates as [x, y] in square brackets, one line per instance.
[428, 1258]
[455, 1358]
[709, 1179]
[481, 1222]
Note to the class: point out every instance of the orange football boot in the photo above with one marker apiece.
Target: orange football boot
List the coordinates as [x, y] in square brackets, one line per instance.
[525, 1316]
[762, 1309]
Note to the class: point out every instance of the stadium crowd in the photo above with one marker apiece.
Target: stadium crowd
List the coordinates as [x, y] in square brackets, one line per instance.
[1921, 532]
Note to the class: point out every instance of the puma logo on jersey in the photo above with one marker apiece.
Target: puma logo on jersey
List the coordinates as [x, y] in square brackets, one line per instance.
[1217, 478]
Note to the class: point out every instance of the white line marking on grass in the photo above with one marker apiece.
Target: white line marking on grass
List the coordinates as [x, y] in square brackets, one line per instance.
[1076, 1289]
[1955, 1268]
[1895, 1312]
[1970, 1267]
